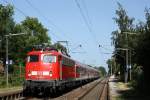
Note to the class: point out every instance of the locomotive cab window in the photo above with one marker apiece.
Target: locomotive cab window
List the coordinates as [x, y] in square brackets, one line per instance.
[49, 58]
[33, 58]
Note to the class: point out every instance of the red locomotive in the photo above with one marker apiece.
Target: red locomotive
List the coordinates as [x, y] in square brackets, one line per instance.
[48, 71]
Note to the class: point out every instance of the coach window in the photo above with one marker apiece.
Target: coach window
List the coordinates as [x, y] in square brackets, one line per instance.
[49, 59]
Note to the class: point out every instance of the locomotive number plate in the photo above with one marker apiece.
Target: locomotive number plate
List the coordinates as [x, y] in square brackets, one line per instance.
[40, 73]
[34, 72]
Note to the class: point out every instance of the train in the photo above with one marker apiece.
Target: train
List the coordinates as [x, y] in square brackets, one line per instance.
[49, 70]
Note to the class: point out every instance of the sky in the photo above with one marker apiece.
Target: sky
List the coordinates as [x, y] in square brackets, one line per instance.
[88, 23]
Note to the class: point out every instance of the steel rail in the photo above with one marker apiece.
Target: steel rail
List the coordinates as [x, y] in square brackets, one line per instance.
[83, 95]
[104, 92]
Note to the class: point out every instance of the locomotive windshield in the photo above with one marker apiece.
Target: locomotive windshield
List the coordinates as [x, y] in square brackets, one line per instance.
[33, 58]
[49, 58]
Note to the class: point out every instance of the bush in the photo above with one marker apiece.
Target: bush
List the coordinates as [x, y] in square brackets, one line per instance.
[137, 77]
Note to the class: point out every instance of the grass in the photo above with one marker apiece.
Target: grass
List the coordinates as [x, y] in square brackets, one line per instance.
[12, 80]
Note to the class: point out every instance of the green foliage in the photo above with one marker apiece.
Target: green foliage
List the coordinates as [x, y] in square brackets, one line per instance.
[137, 43]
[13, 81]
[143, 47]
[120, 39]
[61, 48]
[109, 63]
[18, 46]
[123, 21]
[137, 77]
[6, 20]
[102, 71]
[36, 34]
[37, 30]
[113, 67]
[6, 26]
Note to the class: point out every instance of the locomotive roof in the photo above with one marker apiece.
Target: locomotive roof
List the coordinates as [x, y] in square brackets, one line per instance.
[44, 52]
[48, 52]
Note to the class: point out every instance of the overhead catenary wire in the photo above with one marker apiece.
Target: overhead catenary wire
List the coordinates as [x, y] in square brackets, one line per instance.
[25, 15]
[55, 36]
[111, 51]
[105, 48]
[83, 15]
[87, 22]
[45, 18]
[86, 11]
[38, 11]
[48, 20]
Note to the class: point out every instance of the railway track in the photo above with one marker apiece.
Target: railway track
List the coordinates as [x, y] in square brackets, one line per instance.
[96, 90]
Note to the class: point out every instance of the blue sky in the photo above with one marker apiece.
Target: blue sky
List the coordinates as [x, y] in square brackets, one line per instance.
[64, 21]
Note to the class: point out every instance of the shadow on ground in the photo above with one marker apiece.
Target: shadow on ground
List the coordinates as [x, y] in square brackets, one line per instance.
[132, 94]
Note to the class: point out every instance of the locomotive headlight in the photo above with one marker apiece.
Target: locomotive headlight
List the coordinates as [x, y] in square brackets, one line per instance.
[50, 73]
[29, 73]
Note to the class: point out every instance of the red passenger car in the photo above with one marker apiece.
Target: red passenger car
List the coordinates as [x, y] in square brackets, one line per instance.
[48, 71]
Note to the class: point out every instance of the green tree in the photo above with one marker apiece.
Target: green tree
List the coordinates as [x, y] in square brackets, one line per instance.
[113, 67]
[37, 30]
[6, 20]
[102, 71]
[18, 46]
[120, 38]
[143, 47]
[36, 34]
[61, 48]
[138, 44]
[6, 26]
